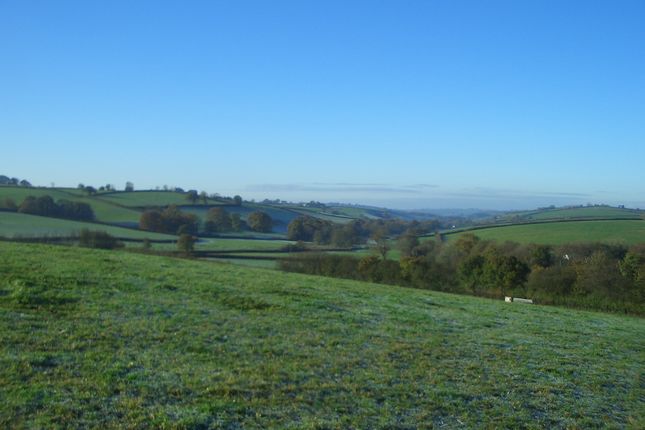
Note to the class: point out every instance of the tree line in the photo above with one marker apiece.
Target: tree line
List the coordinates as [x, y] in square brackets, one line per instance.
[590, 276]
[172, 220]
[354, 232]
[46, 206]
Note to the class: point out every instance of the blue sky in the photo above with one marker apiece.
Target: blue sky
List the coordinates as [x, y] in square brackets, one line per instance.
[412, 104]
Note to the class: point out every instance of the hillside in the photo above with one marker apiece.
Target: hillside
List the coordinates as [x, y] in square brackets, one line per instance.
[124, 208]
[557, 233]
[112, 339]
[575, 213]
[18, 225]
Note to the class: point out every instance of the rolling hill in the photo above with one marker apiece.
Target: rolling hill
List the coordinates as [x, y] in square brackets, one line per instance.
[18, 225]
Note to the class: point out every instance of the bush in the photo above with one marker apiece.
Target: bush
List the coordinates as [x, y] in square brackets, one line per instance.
[98, 239]
[186, 243]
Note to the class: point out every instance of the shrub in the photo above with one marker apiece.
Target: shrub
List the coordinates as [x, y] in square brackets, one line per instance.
[98, 239]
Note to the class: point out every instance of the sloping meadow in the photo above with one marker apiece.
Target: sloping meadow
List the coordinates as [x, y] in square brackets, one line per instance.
[112, 339]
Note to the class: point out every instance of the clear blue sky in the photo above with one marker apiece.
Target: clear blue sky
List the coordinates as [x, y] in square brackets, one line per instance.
[415, 104]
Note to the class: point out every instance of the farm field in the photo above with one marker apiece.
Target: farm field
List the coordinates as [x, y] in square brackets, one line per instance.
[104, 211]
[22, 225]
[556, 233]
[602, 212]
[111, 339]
[250, 244]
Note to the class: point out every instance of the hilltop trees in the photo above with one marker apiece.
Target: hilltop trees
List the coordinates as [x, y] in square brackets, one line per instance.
[90, 190]
[6, 180]
[129, 186]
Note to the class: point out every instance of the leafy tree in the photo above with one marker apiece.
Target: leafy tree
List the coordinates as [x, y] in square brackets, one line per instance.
[173, 218]
[381, 244]
[25, 183]
[237, 200]
[471, 271]
[218, 220]
[260, 221]
[309, 229]
[204, 196]
[129, 186]
[542, 255]
[151, 220]
[406, 243]
[90, 190]
[503, 274]
[236, 222]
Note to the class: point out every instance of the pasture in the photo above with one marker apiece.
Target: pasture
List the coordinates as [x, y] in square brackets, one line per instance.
[103, 210]
[591, 212]
[628, 232]
[111, 339]
[14, 225]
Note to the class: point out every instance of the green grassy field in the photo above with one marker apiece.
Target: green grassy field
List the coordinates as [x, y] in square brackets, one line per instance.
[578, 213]
[110, 339]
[557, 233]
[22, 225]
[246, 244]
[103, 210]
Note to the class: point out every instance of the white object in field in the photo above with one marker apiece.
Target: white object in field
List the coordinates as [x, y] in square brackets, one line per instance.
[518, 300]
[508, 299]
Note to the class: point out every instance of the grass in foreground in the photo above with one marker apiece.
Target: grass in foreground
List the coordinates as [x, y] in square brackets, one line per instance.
[112, 339]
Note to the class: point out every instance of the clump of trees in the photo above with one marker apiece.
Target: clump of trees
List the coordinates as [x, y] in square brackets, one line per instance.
[170, 220]
[218, 220]
[46, 206]
[590, 276]
[355, 232]
[260, 221]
